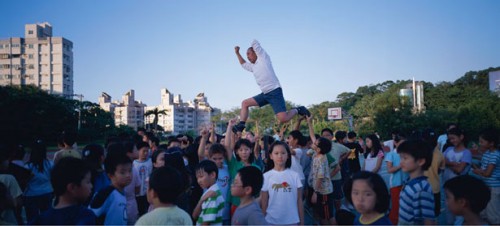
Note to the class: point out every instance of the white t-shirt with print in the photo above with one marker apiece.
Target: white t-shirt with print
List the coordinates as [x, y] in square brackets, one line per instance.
[282, 187]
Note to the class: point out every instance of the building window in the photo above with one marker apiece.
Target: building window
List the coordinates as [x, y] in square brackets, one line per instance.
[30, 32]
[30, 56]
[30, 46]
[31, 66]
[4, 56]
[15, 45]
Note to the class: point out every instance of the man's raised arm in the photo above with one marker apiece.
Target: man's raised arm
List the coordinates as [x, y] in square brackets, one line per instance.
[240, 58]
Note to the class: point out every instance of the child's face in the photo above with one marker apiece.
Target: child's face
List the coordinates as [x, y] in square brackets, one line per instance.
[143, 153]
[160, 160]
[369, 143]
[279, 155]
[244, 153]
[237, 187]
[122, 176]
[408, 163]
[363, 196]
[218, 158]
[484, 145]
[82, 192]
[455, 140]
[454, 205]
[204, 179]
[291, 141]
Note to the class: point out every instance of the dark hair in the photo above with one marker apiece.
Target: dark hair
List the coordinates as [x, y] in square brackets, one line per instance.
[112, 162]
[490, 135]
[472, 189]
[299, 137]
[68, 170]
[457, 132]
[161, 180]
[91, 154]
[68, 138]
[170, 140]
[244, 142]
[430, 136]
[128, 146]
[377, 184]
[175, 160]
[340, 135]
[324, 145]
[155, 141]
[376, 146]
[251, 176]
[20, 152]
[327, 130]
[38, 155]
[418, 149]
[155, 155]
[351, 134]
[217, 149]
[270, 162]
[141, 129]
[208, 167]
[141, 144]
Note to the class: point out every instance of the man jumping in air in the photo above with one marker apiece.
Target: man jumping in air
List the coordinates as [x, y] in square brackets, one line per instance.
[261, 67]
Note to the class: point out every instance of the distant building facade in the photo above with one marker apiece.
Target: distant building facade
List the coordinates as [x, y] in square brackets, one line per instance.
[180, 116]
[128, 111]
[415, 93]
[38, 59]
[494, 80]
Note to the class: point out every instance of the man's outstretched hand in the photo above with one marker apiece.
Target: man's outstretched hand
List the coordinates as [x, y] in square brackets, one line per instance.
[236, 49]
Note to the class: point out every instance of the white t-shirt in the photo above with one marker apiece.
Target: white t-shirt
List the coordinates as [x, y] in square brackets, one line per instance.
[144, 168]
[132, 210]
[282, 187]
[296, 166]
[262, 70]
[112, 204]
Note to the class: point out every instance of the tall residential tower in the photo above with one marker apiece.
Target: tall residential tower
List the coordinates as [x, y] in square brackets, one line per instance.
[38, 59]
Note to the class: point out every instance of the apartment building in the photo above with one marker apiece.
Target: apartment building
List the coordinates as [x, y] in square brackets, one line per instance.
[38, 59]
[128, 111]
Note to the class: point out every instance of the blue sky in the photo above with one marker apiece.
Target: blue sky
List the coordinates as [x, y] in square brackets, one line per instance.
[318, 48]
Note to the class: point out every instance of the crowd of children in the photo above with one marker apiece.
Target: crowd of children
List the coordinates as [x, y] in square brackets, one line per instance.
[231, 180]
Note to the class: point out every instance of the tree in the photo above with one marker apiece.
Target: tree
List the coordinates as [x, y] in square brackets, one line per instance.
[156, 113]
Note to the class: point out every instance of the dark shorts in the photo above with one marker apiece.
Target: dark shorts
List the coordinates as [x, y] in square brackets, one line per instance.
[275, 98]
[338, 194]
[324, 206]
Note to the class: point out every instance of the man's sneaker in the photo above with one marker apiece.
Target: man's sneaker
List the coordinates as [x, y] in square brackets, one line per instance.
[303, 111]
[238, 128]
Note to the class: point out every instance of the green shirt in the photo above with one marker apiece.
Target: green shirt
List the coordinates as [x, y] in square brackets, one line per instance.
[235, 165]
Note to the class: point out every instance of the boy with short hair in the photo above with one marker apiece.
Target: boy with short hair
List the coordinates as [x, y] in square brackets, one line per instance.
[162, 195]
[416, 202]
[217, 153]
[144, 166]
[467, 196]
[246, 186]
[110, 204]
[211, 205]
[72, 185]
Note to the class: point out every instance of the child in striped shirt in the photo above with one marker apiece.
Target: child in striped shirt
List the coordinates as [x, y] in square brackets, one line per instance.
[489, 171]
[416, 201]
[210, 208]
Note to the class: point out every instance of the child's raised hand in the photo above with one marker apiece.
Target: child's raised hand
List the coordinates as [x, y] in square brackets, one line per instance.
[204, 132]
[309, 119]
[232, 121]
[236, 49]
